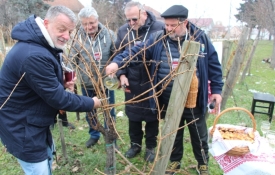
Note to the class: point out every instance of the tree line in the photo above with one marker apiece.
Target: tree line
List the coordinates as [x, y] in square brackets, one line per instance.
[259, 14]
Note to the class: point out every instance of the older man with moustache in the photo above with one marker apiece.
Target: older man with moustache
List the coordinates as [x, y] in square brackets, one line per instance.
[94, 43]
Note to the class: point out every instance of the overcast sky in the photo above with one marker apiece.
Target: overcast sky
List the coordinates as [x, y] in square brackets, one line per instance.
[218, 10]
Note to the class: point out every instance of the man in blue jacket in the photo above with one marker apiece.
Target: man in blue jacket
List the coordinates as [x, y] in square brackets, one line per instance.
[32, 89]
[140, 25]
[162, 54]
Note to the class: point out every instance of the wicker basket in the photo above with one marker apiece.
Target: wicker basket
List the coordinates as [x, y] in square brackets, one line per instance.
[191, 100]
[236, 151]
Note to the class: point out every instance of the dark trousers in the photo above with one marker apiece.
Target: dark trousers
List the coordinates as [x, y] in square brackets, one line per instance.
[197, 132]
[151, 133]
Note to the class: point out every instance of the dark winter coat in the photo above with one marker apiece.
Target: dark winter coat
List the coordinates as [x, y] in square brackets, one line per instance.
[137, 76]
[32, 107]
[208, 67]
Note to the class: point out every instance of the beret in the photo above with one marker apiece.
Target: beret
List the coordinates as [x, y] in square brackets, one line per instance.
[175, 11]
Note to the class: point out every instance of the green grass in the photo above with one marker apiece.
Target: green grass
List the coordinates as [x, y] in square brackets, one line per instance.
[84, 161]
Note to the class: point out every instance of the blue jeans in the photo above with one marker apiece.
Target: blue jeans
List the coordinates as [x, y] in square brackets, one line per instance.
[39, 168]
[91, 93]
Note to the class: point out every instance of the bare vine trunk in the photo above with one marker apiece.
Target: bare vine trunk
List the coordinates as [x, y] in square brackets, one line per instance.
[109, 136]
[235, 68]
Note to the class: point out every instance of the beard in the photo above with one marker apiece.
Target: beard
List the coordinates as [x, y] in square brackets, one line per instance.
[60, 43]
[175, 37]
[180, 33]
[92, 32]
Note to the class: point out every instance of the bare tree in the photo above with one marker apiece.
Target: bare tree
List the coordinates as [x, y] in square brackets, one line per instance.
[235, 68]
[248, 64]
[260, 13]
[115, 12]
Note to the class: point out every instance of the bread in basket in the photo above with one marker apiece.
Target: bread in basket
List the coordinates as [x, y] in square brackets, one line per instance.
[235, 133]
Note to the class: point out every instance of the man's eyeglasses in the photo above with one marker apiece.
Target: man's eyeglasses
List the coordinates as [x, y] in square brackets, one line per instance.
[133, 19]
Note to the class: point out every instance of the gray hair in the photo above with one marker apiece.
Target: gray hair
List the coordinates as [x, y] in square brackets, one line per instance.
[135, 4]
[54, 11]
[87, 12]
[182, 19]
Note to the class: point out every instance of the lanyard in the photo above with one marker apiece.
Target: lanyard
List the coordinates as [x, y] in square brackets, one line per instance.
[169, 50]
[145, 36]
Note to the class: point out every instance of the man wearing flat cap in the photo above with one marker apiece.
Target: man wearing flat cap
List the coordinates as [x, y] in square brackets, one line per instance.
[176, 11]
[167, 50]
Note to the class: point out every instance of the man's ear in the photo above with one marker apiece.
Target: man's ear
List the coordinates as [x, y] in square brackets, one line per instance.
[46, 23]
[185, 22]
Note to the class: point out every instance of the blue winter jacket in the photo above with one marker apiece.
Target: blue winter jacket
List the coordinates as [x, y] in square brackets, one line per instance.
[32, 107]
[208, 66]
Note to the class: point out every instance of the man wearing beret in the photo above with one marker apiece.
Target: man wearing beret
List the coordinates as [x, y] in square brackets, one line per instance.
[178, 29]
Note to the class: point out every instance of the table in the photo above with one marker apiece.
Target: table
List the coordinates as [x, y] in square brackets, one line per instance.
[263, 163]
[249, 164]
[263, 98]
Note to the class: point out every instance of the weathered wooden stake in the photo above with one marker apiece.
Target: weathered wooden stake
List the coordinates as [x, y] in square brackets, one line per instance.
[63, 145]
[176, 103]
[226, 52]
[77, 116]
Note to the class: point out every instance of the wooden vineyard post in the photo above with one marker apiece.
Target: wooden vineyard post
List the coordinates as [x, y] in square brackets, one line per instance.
[181, 86]
[62, 138]
[226, 52]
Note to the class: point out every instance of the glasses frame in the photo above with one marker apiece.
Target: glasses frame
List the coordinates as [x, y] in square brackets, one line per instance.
[132, 19]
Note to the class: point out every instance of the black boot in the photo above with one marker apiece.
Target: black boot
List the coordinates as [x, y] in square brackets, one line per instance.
[149, 155]
[133, 151]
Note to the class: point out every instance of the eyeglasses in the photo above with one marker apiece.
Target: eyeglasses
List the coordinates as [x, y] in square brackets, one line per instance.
[133, 19]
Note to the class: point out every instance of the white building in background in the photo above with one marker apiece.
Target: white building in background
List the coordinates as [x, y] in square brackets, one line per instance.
[263, 36]
[86, 3]
[205, 24]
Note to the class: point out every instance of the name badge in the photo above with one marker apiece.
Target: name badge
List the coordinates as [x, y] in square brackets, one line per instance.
[175, 63]
[97, 56]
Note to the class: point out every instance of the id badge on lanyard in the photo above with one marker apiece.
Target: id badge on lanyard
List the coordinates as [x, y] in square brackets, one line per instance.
[175, 63]
[96, 52]
[97, 56]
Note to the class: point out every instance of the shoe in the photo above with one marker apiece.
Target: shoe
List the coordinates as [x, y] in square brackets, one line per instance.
[173, 168]
[133, 151]
[69, 125]
[202, 169]
[91, 142]
[149, 155]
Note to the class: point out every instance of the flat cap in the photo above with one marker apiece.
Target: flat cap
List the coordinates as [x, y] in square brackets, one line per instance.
[175, 11]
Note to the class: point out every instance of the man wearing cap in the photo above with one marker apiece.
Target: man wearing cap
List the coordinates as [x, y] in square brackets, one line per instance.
[178, 29]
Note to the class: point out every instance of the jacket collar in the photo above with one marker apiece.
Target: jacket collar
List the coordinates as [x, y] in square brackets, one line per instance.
[44, 31]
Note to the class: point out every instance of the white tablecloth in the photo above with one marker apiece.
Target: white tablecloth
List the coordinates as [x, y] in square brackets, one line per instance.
[248, 164]
[260, 161]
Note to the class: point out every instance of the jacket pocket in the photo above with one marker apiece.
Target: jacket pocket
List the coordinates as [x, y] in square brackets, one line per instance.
[40, 121]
